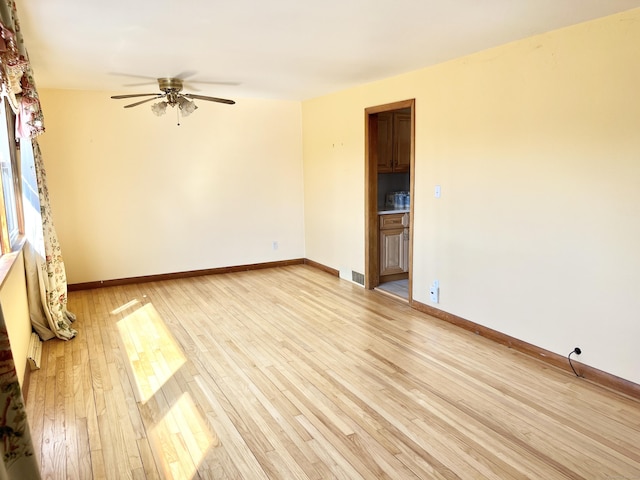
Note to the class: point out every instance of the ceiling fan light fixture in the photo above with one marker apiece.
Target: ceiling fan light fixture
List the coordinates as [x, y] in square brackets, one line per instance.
[159, 108]
[171, 96]
[186, 107]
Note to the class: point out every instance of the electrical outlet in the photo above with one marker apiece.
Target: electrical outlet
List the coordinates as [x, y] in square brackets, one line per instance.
[274, 245]
[434, 292]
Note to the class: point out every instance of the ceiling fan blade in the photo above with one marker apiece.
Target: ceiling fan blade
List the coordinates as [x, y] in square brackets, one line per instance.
[117, 97]
[149, 80]
[212, 82]
[143, 101]
[210, 99]
[191, 84]
[186, 74]
[141, 84]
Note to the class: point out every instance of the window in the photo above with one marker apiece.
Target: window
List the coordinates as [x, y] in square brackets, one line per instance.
[30, 198]
[10, 199]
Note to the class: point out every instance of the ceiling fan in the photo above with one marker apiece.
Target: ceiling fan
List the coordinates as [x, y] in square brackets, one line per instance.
[171, 96]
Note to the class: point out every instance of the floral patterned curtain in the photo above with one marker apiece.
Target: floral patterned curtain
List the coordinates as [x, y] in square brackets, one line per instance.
[46, 277]
[46, 280]
[19, 461]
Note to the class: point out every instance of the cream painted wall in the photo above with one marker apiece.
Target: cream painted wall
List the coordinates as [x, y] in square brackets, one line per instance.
[13, 298]
[134, 194]
[536, 147]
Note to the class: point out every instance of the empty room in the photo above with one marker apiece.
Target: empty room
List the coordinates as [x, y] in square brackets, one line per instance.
[354, 240]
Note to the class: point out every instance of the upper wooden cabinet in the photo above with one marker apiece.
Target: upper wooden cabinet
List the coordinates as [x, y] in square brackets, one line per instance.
[402, 139]
[394, 142]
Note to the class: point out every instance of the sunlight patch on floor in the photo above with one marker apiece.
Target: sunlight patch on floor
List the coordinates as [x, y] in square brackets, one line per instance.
[178, 435]
[153, 354]
[126, 306]
[181, 439]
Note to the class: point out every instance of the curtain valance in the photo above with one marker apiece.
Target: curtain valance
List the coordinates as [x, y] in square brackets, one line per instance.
[16, 76]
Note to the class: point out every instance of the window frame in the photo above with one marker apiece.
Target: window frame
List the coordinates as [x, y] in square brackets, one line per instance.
[11, 240]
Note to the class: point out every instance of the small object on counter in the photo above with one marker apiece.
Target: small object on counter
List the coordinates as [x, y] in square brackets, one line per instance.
[401, 200]
[398, 201]
[390, 200]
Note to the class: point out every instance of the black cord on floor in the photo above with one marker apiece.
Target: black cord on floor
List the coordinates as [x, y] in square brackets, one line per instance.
[578, 352]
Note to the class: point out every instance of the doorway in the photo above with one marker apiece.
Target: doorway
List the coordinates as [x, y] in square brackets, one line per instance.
[376, 200]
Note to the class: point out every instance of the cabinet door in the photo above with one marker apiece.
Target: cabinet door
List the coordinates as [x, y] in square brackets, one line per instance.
[405, 265]
[402, 142]
[385, 142]
[392, 251]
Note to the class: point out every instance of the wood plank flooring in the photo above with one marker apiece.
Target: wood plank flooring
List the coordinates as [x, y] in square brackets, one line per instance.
[291, 373]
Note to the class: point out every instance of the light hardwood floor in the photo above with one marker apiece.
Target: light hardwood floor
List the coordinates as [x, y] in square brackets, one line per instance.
[291, 373]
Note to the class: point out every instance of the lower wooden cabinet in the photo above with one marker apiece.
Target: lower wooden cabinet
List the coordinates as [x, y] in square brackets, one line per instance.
[394, 244]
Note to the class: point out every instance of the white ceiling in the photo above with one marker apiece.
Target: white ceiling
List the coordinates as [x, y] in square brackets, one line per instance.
[286, 49]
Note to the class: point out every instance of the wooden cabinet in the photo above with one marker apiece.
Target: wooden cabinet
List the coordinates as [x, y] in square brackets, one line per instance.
[385, 142]
[394, 142]
[394, 244]
[402, 134]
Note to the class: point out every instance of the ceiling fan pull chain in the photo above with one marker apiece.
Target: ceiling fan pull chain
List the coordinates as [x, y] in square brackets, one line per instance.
[178, 114]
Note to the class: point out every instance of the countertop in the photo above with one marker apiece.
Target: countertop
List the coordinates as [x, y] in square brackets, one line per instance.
[387, 212]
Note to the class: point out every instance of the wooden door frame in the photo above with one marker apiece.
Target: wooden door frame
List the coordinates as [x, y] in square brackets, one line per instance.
[372, 253]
